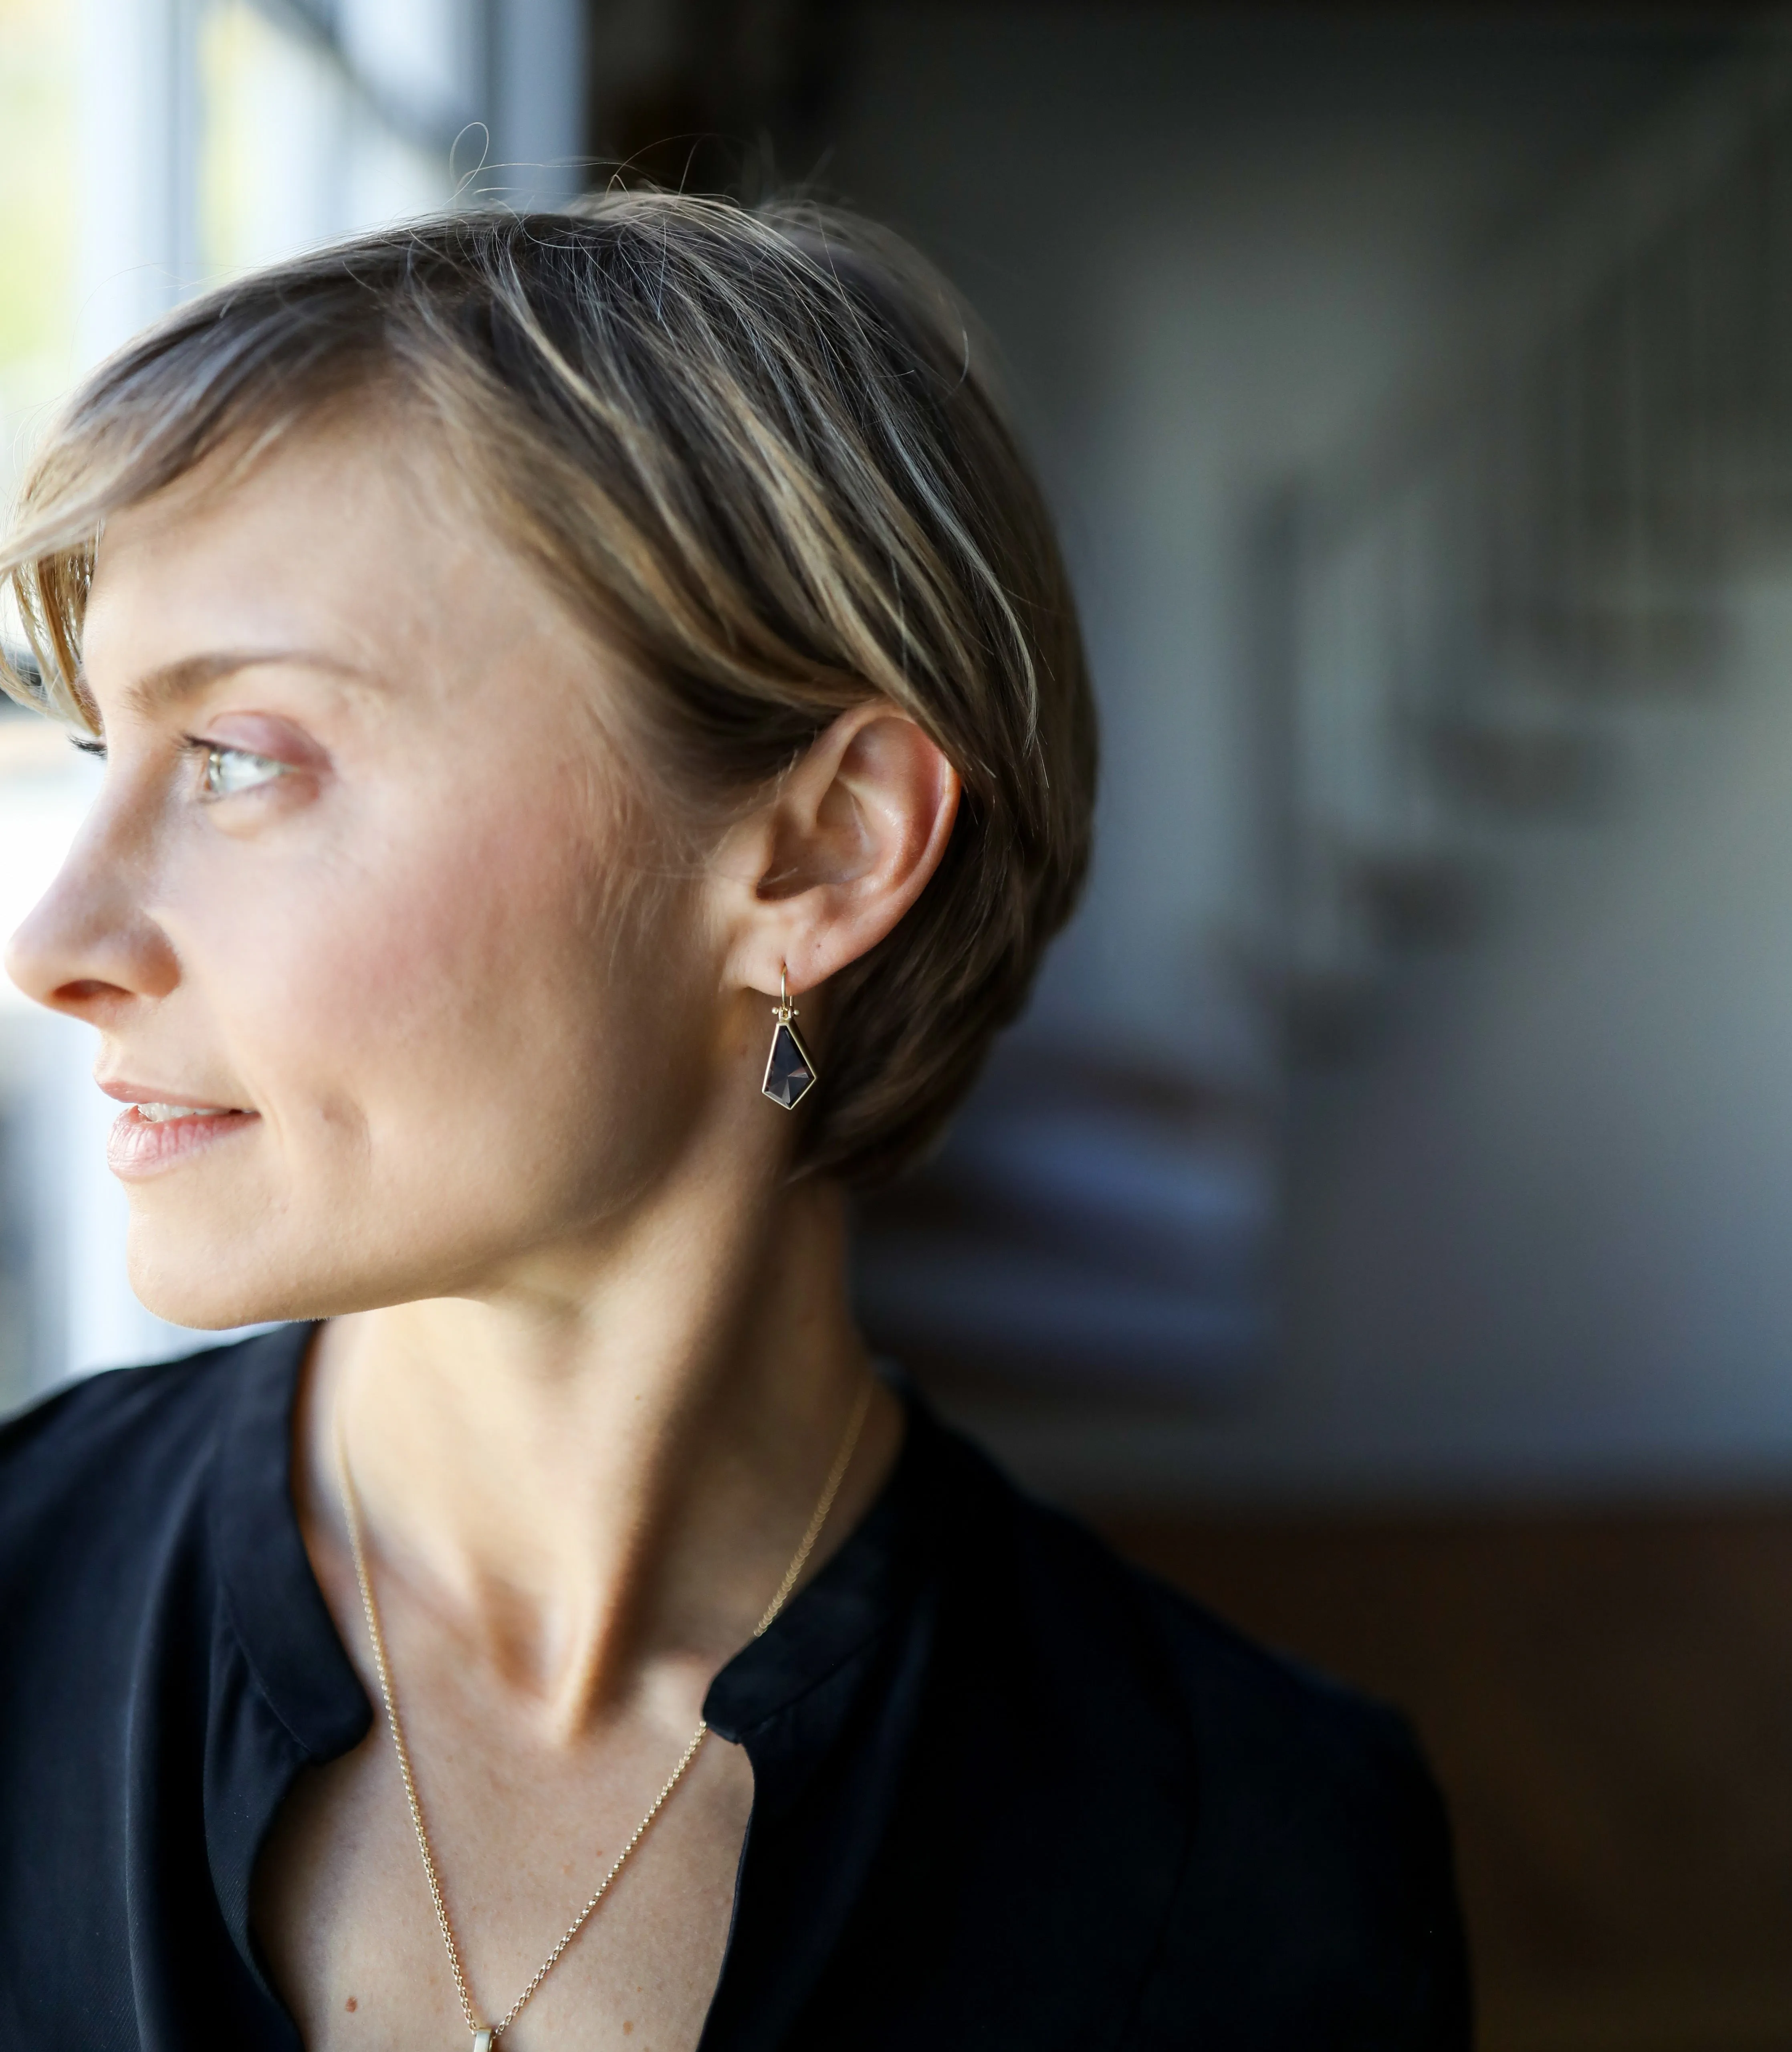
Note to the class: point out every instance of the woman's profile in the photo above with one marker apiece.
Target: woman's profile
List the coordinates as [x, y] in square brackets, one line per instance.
[596, 741]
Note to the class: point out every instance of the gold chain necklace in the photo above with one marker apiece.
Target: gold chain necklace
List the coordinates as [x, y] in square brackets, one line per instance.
[485, 2036]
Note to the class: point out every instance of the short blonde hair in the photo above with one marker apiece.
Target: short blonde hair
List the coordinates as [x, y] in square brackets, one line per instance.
[759, 449]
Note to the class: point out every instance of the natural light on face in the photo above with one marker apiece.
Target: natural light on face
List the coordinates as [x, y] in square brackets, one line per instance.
[146, 152]
[288, 149]
[340, 911]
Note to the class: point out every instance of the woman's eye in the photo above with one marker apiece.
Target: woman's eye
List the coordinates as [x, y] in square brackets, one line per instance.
[229, 770]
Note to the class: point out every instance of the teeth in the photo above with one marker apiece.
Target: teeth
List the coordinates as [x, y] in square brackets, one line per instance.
[157, 1113]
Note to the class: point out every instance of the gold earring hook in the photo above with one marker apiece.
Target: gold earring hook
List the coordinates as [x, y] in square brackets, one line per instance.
[790, 1070]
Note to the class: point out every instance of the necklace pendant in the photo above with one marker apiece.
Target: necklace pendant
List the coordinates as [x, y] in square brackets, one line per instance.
[483, 2039]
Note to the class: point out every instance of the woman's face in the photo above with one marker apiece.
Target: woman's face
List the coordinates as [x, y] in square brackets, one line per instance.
[350, 886]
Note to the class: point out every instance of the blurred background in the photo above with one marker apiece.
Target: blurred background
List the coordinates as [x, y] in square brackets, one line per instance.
[1382, 1222]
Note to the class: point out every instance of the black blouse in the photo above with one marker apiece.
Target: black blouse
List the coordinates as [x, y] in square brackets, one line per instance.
[1008, 1793]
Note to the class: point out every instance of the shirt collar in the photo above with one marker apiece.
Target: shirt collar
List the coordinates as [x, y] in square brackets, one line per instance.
[853, 1598]
[292, 1646]
[282, 1621]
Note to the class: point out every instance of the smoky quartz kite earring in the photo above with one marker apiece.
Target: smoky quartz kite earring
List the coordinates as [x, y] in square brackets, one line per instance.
[790, 1070]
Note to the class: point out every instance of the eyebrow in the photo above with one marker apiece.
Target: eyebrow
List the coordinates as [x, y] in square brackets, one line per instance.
[174, 683]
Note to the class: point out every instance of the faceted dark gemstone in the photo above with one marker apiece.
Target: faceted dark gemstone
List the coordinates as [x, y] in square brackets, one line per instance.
[788, 1073]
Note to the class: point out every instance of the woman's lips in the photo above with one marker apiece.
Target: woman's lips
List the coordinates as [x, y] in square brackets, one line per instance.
[140, 1146]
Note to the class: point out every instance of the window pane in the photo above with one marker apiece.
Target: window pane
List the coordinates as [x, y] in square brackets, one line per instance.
[293, 150]
[38, 222]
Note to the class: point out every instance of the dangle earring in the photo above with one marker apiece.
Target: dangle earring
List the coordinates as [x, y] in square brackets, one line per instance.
[790, 1070]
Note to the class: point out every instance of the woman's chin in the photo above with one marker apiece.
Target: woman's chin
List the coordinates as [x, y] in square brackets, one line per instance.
[213, 1300]
[172, 1276]
[202, 1310]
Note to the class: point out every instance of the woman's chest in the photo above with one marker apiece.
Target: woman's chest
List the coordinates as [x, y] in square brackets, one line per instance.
[344, 1914]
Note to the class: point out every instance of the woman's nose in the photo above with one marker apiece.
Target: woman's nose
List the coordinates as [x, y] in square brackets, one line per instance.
[88, 948]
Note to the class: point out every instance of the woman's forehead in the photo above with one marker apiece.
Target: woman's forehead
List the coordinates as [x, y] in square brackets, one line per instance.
[325, 542]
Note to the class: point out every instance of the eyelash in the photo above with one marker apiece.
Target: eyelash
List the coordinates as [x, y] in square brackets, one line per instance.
[212, 755]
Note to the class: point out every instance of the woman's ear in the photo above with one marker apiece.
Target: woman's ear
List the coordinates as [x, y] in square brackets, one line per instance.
[816, 876]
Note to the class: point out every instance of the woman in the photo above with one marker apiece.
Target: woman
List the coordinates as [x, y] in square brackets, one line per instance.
[596, 740]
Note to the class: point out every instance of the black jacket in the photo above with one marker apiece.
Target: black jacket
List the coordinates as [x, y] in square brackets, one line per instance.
[1008, 1793]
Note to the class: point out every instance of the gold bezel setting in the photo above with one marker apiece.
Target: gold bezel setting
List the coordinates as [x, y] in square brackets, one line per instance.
[790, 1070]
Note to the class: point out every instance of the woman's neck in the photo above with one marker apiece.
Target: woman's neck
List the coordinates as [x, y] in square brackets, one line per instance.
[601, 1468]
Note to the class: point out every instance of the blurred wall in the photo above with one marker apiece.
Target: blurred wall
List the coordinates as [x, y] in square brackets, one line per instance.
[1210, 248]
[1532, 1235]
[1546, 1234]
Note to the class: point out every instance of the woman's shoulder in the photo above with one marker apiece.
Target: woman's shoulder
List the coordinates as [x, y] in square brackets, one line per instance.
[1322, 1873]
[1337, 1754]
[1316, 1877]
[1072, 1583]
[121, 1450]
